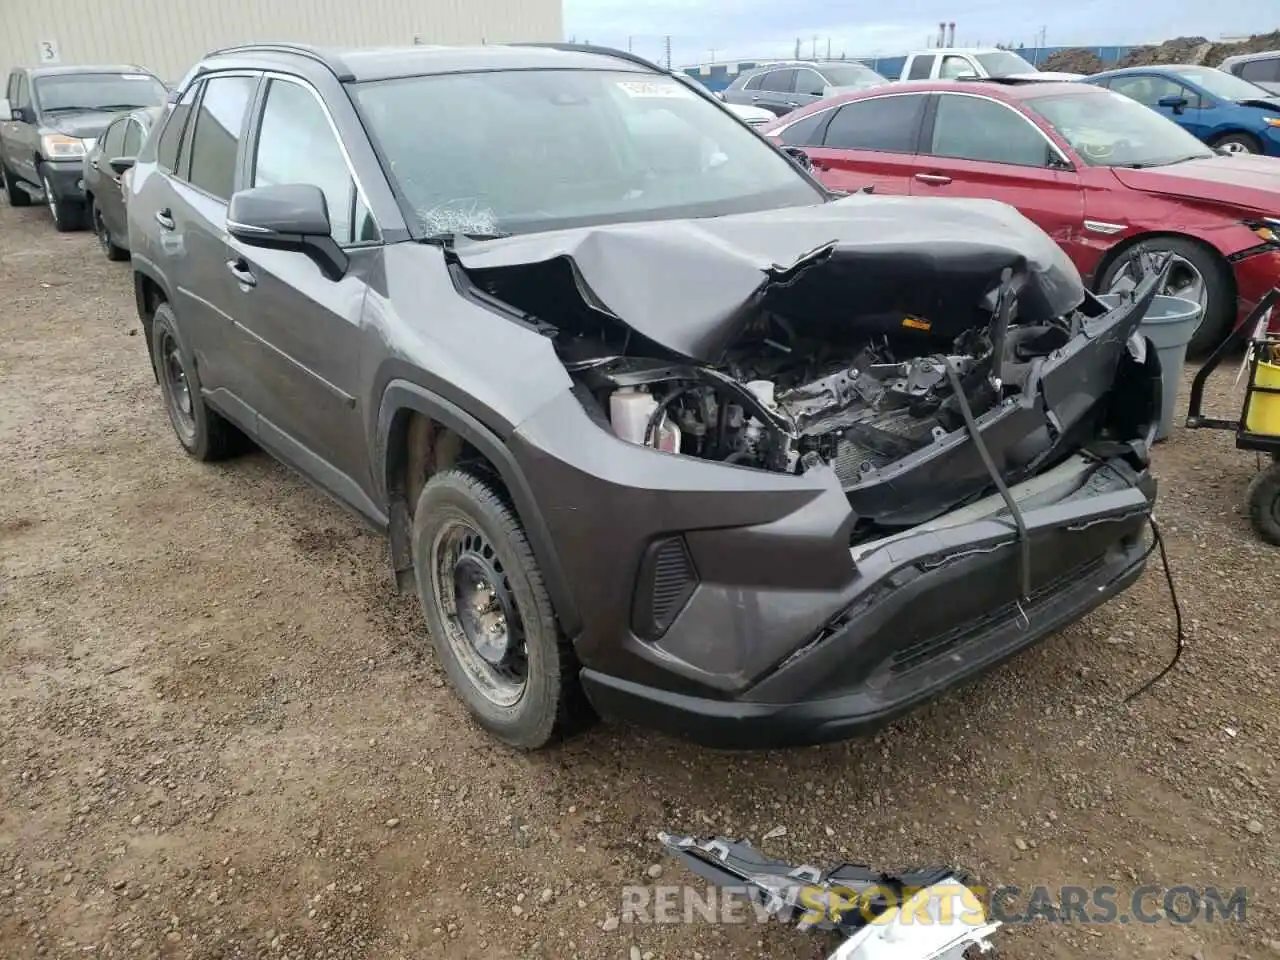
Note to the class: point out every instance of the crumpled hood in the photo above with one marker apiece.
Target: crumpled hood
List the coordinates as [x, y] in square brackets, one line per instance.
[80, 125]
[1245, 180]
[691, 286]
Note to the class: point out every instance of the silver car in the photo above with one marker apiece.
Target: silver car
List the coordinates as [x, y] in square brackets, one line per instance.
[782, 87]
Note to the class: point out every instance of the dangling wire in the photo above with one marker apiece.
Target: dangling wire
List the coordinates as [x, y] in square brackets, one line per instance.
[1157, 542]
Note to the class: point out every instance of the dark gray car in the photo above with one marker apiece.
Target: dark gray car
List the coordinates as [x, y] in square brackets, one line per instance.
[654, 424]
[105, 166]
[782, 87]
[50, 118]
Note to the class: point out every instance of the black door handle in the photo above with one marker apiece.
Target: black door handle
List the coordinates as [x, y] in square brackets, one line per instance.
[165, 219]
[240, 270]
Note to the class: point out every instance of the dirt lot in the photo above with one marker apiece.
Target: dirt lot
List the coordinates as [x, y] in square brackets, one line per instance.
[222, 739]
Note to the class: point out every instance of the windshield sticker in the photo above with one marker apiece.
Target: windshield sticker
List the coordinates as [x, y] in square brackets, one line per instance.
[650, 88]
[135, 76]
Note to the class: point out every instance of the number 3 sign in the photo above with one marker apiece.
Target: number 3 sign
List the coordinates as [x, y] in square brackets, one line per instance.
[48, 51]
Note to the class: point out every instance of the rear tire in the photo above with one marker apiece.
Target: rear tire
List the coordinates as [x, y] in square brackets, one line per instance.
[1264, 503]
[1219, 287]
[203, 432]
[489, 614]
[16, 196]
[103, 233]
[1238, 143]
[68, 215]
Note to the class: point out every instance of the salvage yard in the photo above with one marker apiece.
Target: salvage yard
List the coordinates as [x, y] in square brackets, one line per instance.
[223, 737]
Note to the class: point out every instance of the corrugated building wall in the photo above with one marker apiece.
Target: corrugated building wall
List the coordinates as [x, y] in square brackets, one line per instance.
[169, 36]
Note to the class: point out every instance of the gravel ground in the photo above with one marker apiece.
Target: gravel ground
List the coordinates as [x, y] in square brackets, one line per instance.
[222, 737]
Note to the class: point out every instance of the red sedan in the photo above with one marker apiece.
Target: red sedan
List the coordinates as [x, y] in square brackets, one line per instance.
[1097, 171]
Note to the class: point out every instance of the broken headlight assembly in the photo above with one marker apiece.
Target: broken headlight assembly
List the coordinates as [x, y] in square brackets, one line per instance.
[927, 914]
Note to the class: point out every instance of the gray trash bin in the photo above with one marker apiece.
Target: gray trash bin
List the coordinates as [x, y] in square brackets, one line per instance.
[1169, 325]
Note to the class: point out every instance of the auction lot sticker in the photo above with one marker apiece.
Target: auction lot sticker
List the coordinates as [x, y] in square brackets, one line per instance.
[669, 89]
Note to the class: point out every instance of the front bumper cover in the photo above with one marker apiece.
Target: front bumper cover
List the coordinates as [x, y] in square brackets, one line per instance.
[927, 612]
[66, 178]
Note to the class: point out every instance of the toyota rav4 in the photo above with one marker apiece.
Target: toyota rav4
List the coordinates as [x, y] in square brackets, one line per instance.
[657, 426]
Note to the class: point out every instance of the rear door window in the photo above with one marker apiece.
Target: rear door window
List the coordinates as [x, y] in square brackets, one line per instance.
[170, 141]
[888, 124]
[219, 125]
[779, 81]
[753, 83]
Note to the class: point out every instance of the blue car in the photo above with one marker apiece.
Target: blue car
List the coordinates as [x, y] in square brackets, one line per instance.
[1224, 111]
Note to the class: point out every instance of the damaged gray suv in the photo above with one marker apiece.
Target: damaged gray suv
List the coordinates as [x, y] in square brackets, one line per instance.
[657, 427]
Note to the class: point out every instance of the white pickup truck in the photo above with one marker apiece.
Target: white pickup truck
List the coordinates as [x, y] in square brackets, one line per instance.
[954, 63]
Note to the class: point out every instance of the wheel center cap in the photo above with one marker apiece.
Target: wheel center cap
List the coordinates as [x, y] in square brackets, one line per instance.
[482, 605]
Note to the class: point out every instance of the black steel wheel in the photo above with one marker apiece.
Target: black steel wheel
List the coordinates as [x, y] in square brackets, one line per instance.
[203, 433]
[489, 614]
[103, 233]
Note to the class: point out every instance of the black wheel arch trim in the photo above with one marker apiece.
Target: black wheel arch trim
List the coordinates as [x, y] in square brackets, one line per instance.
[401, 395]
[144, 269]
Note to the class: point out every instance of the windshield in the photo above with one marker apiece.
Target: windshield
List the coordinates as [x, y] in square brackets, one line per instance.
[98, 91]
[1220, 84]
[529, 150]
[852, 75]
[1110, 130]
[1003, 63]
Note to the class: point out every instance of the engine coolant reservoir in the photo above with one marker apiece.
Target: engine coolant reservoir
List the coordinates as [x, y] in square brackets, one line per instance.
[629, 411]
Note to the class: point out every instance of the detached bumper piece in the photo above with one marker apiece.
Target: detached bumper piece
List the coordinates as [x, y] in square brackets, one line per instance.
[927, 914]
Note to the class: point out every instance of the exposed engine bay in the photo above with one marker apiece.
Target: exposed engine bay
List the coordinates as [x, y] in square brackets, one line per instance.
[782, 403]
[876, 355]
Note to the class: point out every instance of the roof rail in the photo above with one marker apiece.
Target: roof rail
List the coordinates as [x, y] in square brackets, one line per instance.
[327, 60]
[592, 48]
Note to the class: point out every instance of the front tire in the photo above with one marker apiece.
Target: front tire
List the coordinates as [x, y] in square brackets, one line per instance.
[1238, 143]
[103, 233]
[203, 432]
[489, 614]
[1197, 274]
[68, 215]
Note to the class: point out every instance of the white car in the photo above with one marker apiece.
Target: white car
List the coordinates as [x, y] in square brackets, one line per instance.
[954, 63]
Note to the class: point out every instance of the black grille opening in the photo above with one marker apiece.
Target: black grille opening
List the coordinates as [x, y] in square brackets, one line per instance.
[666, 582]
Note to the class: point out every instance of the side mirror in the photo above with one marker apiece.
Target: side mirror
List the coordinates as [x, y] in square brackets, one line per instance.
[799, 157]
[1174, 101]
[119, 165]
[288, 216]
